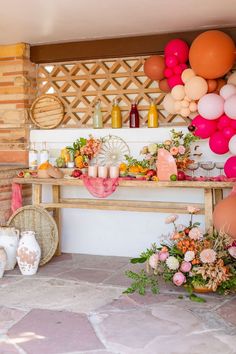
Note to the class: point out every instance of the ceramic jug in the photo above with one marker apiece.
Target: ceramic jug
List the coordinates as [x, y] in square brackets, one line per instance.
[3, 261]
[9, 239]
[28, 253]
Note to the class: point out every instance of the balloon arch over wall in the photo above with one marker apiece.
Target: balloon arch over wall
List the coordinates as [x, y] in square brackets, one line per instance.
[200, 84]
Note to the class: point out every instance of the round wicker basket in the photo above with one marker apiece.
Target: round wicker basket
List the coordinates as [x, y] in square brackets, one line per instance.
[42, 223]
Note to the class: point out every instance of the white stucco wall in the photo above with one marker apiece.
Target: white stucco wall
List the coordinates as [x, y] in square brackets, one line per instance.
[117, 232]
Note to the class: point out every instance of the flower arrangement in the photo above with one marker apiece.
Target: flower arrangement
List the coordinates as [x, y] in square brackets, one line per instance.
[136, 168]
[178, 145]
[200, 263]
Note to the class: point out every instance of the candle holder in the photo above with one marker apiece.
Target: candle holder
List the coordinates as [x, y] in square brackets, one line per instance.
[102, 171]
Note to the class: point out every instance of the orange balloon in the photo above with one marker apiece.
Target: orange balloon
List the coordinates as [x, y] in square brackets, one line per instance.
[211, 54]
[212, 85]
[224, 216]
[163, 86]
[154, 67]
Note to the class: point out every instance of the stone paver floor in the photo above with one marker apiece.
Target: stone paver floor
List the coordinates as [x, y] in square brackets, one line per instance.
[75, 305]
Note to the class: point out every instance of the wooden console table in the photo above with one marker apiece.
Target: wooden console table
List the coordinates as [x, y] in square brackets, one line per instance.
[213, 192]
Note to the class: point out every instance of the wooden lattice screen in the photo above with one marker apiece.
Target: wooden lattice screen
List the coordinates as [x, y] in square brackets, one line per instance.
[80, 84]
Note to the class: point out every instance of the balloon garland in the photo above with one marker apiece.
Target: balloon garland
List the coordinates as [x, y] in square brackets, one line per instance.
[204, 90]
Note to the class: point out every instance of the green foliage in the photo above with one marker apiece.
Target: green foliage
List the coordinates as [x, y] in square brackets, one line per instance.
[194, 297]
[77, 145]
[142, 282]
[134, 162]
[144, 256]
[227, 286]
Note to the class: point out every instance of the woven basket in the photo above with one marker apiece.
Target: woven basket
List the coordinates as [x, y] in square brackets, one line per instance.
[42, 223]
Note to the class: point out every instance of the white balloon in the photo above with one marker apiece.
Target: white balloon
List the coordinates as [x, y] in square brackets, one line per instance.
[169, 104]
[232, 79]
[227, 91]
[230, 107]
[232, 145]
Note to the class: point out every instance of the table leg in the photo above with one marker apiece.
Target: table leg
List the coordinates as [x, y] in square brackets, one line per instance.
[37, 194]
[56, 214]
[218, 195]
[208, 201]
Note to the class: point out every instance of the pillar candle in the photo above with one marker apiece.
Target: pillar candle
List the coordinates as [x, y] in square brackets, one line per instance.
[102, 171]
[93, 171]
[114, 171]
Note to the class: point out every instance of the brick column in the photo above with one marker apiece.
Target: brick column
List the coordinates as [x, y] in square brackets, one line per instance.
[17, 91]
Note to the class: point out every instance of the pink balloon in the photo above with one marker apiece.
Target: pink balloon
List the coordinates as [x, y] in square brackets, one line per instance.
[174, 80]
[230, 167]
[230, 107]
[224, 122]
[171, 61]
[233, 124]
[168, 72]
[183, 66]
[204, 127]
[228, 132]
[178, 70]
[211, 106]
[218, 144]
[179, 48]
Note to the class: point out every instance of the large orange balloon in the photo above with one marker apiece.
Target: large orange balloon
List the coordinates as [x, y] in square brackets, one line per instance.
[211, 54]
[154, 67]
[224, 216]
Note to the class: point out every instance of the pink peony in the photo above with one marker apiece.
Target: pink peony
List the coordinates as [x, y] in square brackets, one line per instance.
[182, 149]
[174, 150]
[179, 279]
[185, 267]
[195, 233]
[192, 210]
[171, 218]
[208, 255]
[163, 256]
[232, 251]
[153, 260]
[189, 256]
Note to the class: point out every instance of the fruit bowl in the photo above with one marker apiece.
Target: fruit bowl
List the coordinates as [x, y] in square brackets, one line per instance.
[43, 174]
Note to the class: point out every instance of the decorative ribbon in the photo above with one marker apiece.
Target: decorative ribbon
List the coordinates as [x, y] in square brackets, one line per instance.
[16, 200]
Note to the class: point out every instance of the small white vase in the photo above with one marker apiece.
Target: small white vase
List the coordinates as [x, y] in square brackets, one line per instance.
[28, 253]
[3, 261]
[9, 239]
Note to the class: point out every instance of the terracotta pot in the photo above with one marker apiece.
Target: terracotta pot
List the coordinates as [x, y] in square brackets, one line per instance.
[202, 289]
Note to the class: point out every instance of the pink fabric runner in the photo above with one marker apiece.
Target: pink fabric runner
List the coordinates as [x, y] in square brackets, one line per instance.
[100, 187]
[16, 201]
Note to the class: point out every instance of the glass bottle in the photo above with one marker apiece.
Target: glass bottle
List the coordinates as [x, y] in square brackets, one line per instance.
[152, 116]
[44, 154]
[116, 119]
[134, 116]
[97, 117]
[33, 157]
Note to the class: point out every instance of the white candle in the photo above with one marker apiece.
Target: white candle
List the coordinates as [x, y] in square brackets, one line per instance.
[114, 172]
[102, 171]
[93, 171]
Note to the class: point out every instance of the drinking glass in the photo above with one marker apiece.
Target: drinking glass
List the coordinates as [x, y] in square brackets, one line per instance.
[193, 167]
[220, 166]
[208, 166]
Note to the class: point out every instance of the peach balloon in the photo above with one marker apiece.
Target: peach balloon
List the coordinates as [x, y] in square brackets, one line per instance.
[185, 103]
[178, 92]
[169, 104]
[193, 106]
[185, 112]
[224, 216]
[232, 79]
[212, 85]
[211, 54]
[177, 106]
[187, 74]
[196, 87]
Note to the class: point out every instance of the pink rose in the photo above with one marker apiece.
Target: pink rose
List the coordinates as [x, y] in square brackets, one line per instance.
[182, 149]
[179, 279]
[185, 266]
[153, 260]
[163, 256]
[174, 150]
[195, 233]
[232, 251]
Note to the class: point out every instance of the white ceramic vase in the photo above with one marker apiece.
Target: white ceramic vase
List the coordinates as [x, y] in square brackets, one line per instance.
[3, 261]
[9, 239]
[28, 253]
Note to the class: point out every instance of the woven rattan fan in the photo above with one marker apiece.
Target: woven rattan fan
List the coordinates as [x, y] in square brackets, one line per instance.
[42, 223]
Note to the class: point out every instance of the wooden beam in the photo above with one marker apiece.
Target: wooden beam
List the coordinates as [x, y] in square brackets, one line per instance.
[111, 48]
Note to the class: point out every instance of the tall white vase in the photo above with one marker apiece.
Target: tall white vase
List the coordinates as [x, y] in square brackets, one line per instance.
[3, 261]
[28, 253]
[9, 239]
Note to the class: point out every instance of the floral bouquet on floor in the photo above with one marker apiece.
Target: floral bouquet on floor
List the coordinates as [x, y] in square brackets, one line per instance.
[178, 145]
[200, 263]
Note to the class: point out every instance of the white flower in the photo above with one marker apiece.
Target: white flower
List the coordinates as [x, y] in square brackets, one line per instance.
[172, 263]
[171, 218]
[189, 256]
[195, 233]
[208, 255]
[232, 251]
[192, 210]
[152, 148]
[153, 260]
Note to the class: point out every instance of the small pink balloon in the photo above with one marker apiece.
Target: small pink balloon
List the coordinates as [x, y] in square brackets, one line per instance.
[204, 127]
[233, 124]
[227, 91]
[168, 73]
[230, 107]
[174, 80]
[171, 61]
[179, 48]
[183, 66]
[178, 70]
[218, 143]
[230, 167]
[211, 106]
[228, 132]
[224, 122]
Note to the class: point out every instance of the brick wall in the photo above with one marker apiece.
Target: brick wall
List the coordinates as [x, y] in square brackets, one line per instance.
[17, 91]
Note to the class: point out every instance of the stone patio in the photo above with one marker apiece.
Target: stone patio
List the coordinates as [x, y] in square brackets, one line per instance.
[75, 305]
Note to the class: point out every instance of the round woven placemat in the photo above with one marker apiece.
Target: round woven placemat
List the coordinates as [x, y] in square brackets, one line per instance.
[47, 112]
[37, 219]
